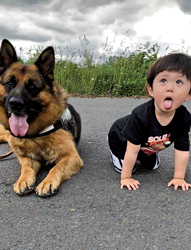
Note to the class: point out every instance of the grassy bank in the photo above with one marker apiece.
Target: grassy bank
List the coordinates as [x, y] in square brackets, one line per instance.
[102, 74]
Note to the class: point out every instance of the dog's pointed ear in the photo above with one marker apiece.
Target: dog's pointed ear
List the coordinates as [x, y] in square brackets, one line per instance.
[46, 62]
[7, 54]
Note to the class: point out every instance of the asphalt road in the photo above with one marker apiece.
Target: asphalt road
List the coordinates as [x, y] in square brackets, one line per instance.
[90, 212]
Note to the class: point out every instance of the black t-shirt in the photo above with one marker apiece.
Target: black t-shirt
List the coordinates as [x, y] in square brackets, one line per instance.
[142, 127]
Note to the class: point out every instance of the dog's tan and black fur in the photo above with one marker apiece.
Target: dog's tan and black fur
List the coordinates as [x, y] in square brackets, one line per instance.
[29, 95]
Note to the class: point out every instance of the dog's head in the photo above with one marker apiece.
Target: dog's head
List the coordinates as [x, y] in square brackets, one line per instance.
[27, 92]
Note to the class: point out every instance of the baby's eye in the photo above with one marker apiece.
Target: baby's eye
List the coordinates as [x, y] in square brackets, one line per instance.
[179, 82]
[163, 80]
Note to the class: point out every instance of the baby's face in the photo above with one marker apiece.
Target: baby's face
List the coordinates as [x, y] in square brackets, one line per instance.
[170, 89]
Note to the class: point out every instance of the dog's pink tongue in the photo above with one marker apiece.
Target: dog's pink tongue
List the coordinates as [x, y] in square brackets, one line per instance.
[168, 104]
[18, 125]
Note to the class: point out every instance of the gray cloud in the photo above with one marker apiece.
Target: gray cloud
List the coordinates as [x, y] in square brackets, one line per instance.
[27, 36]
[61, 23]
[185, 5]
[24, 4]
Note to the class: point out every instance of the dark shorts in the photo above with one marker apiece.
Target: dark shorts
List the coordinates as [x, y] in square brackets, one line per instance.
[147, 161]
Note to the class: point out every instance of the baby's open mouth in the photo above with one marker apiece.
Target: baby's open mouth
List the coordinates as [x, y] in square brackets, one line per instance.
[168, 103]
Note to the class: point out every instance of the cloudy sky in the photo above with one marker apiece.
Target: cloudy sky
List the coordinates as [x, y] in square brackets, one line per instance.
[115, 23]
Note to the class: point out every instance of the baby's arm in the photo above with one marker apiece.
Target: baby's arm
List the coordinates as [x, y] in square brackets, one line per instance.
[180, 163]
[128, 164]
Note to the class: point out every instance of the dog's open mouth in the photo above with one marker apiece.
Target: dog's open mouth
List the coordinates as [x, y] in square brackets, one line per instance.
[18, 125]
[168, 103]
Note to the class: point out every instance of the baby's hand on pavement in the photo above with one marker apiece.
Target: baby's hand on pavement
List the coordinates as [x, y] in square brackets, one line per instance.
[179, 183]
[130, 183]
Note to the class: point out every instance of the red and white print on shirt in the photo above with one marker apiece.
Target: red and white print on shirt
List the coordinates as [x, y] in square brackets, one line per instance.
[156, 144]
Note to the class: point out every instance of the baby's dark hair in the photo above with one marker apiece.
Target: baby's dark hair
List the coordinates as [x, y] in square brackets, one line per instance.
[177, 62]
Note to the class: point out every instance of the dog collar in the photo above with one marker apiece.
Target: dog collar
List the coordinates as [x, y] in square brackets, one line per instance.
[65, 122]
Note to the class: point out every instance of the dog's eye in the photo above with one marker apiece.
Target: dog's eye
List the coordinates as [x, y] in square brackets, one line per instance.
[32, 89]
[9, 85]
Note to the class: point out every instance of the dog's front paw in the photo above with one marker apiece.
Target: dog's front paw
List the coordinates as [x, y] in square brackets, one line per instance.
[24, 186]
[47, 188]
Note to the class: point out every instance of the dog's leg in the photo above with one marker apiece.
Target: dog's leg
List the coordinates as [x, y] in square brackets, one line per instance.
[63, 170]
[27, 179]
[4, 134]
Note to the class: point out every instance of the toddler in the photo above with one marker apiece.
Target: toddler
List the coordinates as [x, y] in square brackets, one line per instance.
[155, 125]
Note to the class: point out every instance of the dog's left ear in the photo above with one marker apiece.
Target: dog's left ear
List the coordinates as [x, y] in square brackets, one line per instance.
[7, 55]
[46, 62]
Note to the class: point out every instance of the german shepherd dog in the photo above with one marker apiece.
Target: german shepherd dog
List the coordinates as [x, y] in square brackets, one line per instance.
[39, 125]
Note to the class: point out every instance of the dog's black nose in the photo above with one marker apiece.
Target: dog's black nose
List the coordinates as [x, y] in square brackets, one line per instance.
[16, 103]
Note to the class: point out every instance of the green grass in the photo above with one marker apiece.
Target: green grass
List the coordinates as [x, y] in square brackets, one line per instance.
[102, 74]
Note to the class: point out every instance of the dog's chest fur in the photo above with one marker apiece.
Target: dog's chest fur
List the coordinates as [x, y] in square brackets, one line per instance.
[47, 151]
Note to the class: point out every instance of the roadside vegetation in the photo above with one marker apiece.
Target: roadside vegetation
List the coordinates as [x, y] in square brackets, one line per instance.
[85, 71]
